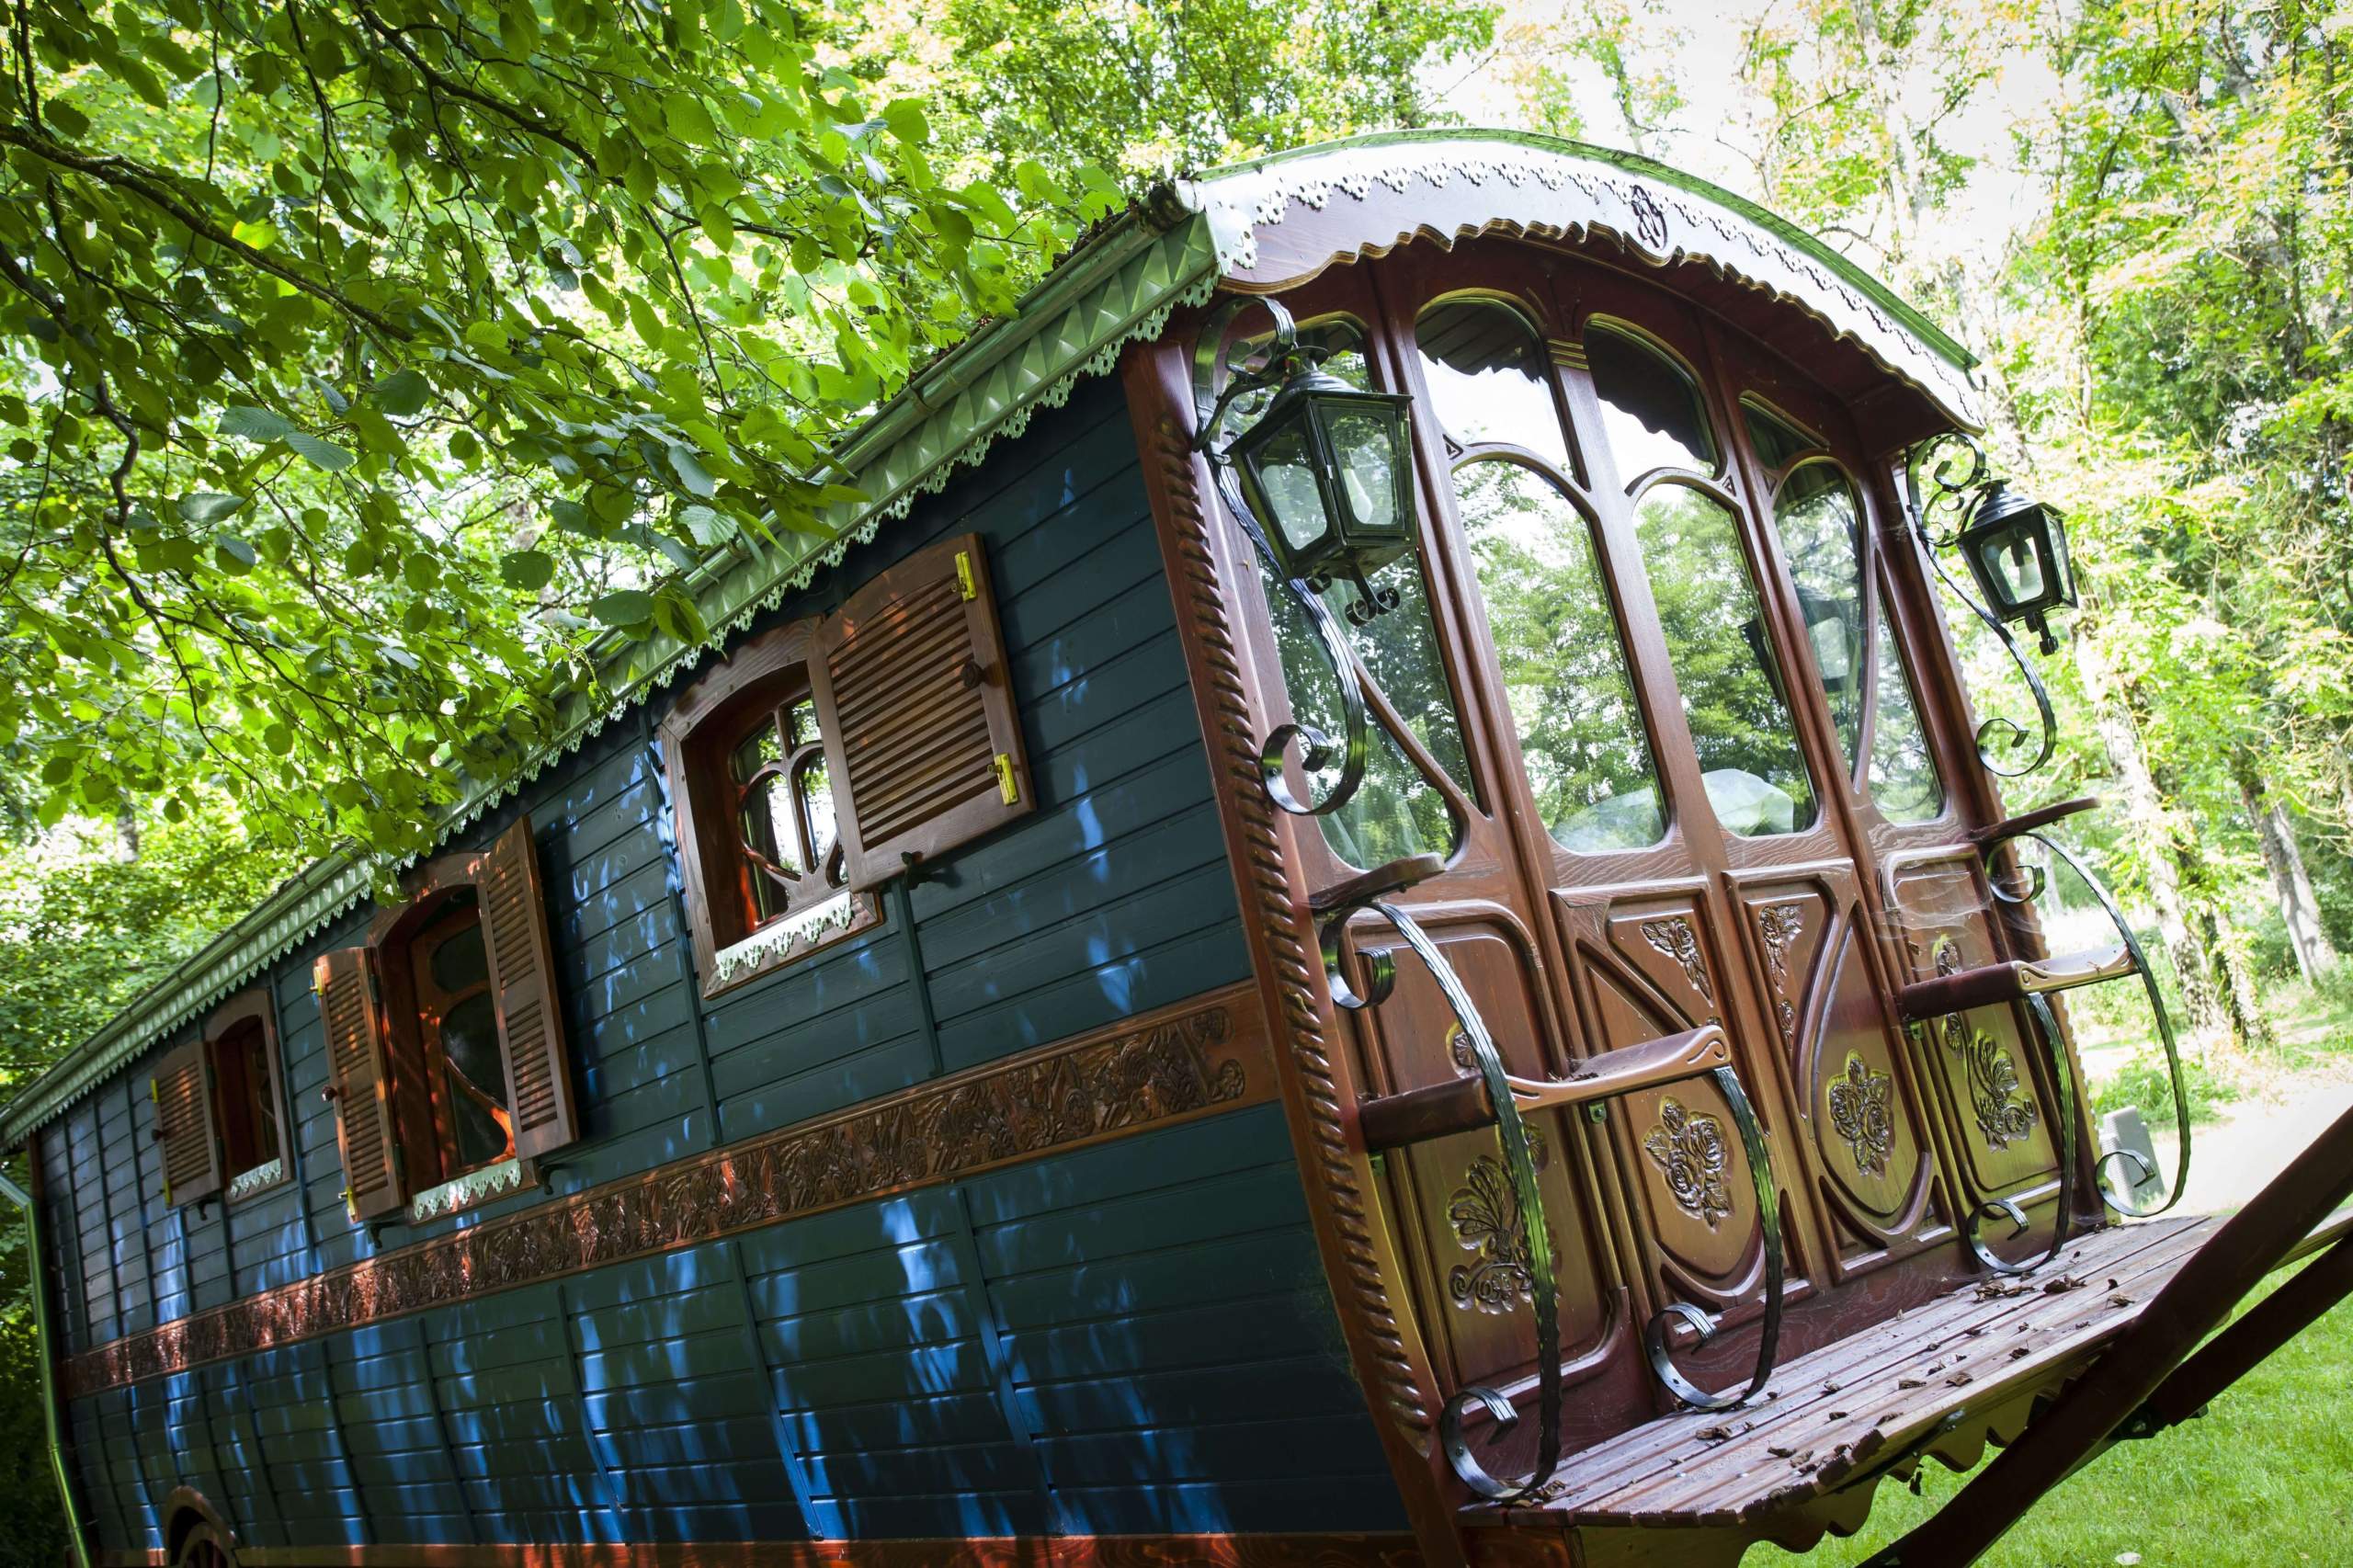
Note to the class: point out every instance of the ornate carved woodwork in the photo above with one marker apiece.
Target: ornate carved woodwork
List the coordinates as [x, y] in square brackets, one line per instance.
[1205, 1056]
[1487, 1221]
[1860, 1115]
[1693, 1157]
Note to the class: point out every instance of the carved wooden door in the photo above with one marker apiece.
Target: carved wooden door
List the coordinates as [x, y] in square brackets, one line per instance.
[1652, 673]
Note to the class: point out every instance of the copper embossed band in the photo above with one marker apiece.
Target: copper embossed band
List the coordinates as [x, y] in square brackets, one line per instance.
[1210, 1054]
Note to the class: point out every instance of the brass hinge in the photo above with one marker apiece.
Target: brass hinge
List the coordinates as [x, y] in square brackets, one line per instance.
[965, 582]
[1007, 785]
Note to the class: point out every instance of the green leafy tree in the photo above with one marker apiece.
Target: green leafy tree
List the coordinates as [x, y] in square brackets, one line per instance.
[361, 360]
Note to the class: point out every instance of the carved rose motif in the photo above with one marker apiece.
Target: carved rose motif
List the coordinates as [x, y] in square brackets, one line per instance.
[1673, 935]
[1861, 1112]
[1780, 924]
[1689, 1151]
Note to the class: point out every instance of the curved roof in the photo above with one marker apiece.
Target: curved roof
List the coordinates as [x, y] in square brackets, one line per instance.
[1255, 226]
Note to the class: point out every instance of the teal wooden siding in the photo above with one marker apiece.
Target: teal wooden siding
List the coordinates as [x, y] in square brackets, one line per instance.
[1133, 1337]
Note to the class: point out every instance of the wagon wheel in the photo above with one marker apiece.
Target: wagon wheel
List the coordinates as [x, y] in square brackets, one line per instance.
[204, 1547]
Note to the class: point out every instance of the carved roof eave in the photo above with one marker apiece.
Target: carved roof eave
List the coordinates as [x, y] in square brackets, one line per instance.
[1278, 222]
[1119, 286]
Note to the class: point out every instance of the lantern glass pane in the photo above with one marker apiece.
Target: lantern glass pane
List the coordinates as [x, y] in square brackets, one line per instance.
[1363, 451]
[1286, 469]
[2018, 567]
[2063, 578]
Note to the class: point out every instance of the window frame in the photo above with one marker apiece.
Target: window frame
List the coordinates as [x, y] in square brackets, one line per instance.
[255, 1006]
[700, 735]
[526, 1005]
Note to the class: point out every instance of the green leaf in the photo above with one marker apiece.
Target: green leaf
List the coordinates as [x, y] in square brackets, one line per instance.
[254, 424]
[624, 607]
[689, 121]
[705, 527]
[687, 463]
[401, 393]
[326, 454]
[233, 555]
[904, 117]
[206, 506]
[527, 569]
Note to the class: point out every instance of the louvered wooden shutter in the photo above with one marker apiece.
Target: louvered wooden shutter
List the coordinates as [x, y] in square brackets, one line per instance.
[522, 975]
[373, 1181]
[915, 700]
[184, 1126]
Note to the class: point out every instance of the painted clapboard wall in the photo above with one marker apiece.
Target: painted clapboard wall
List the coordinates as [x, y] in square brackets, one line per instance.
[1133, 1338]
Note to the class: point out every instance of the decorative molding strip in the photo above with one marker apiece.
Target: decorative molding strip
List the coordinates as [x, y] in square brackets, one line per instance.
[1207, 1056]
[1371, 193]
[1337, 1168]
[1283, 1550]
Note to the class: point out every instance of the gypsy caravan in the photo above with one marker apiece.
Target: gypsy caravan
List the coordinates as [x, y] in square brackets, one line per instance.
[1356, 915]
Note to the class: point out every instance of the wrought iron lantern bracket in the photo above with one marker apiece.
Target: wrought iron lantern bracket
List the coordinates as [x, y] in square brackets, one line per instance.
[1951, 485]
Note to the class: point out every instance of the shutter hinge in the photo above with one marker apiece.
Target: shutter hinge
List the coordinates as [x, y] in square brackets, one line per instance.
[965, 585]
[1007, 785]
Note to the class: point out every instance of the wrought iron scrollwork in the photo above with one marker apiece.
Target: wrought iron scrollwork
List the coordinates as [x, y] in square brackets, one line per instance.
[1215, 386]
[2046, 1028]
[1949, 481]
[1534, 1243]
[1768, 1221]
[2033, 882]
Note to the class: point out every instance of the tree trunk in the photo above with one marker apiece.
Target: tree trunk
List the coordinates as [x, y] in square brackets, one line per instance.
[2317, 956]
[2144, 818]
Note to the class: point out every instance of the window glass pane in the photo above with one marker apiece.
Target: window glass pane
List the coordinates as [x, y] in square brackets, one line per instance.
[1775, 439]
[769, 834]
[816, 791]
[459, 962]
[1822, 535]
[1903, 773]
[1489, 378]
[1396, 811]
[759, 748]
[801, 722]
[1564, 666]
[477, 1078]
[1732, 690]
[1650, 410]
[261, 1101]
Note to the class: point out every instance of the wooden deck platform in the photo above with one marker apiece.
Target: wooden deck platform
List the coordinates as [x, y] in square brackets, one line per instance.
[1803, 1457]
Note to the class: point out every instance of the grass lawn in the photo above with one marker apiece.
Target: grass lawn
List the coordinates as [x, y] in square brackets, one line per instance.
[2266, 1479]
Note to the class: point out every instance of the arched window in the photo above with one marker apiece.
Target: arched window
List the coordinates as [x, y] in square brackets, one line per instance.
[446, 1057]
[218, 1111]
[827, 755]
[1711, 616]
[1582, 739]
[757, 828]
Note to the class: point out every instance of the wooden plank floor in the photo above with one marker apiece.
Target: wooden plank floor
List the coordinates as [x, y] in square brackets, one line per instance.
[1872, 1401]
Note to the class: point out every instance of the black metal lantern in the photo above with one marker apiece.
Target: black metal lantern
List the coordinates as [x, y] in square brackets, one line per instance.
[1329, 469]
[2017, 549]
